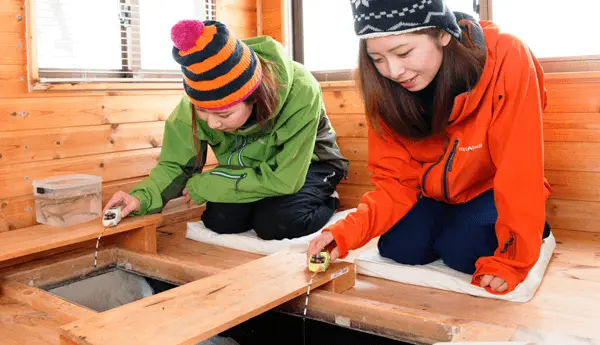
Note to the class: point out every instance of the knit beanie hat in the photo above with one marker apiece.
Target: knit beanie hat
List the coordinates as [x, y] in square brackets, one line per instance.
[375, 18]
[219, 71]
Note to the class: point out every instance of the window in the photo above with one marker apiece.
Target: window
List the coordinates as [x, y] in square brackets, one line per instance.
[330, 50]
[108, 41]
[552, 29]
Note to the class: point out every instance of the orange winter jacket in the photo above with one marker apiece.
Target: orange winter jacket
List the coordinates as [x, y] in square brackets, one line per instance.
[493, 141]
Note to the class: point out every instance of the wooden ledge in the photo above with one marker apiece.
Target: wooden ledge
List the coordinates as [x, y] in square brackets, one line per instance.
[140, 234]
[196, 311]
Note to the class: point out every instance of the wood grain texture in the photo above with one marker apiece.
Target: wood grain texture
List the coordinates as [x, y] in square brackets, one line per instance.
[58, 267]
[574, 185]
[9, 16]
[19, 212]
[573, 215]
[349, 125]
[142, 108]
[572, 127]
[56, 143]
[198, 310]
[21, 324]
[142, 239]
[376, 317]
[50, 112]
[239, 16]
[273, 18]
[65, 312]
[16, 179]
[571, 94]
[35, 239]
[13, 47]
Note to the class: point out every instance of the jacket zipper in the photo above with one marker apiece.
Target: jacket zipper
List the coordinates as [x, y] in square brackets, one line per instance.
[240, 159]
[424, 191]
[237, 177]
[510, 243]
[239, 150]
[448, 168]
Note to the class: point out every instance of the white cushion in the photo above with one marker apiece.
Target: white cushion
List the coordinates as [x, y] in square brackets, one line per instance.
[248, 241]
[438, 275]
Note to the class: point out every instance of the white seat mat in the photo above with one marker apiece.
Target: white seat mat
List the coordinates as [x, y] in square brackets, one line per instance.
[248, 241]
[438, 275]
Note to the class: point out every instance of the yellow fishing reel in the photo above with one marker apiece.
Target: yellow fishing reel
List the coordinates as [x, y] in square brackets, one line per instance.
[320, 262]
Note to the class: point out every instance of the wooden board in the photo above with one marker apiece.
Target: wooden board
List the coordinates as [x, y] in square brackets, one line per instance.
[574, 215]
[35, 239]
[239, 15]
[13, 48]
[56, 143]
[23, 325]
[271, 14]
[16, 179]
[19, 212]
[573, 96]
[64, 311]
[9, 12]
[573, 127]
[142, 108]
[201, 309]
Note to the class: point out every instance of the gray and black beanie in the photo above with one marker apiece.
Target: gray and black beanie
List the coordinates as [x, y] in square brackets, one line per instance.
[375, 18]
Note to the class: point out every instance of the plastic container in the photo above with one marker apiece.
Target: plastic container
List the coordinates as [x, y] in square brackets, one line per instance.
[67, 200]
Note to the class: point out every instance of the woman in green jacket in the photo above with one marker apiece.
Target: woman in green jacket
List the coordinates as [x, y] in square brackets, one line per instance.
[263, 116]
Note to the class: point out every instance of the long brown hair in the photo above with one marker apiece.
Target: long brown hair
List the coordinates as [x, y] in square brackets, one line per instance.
[265, 99]
[400, 110]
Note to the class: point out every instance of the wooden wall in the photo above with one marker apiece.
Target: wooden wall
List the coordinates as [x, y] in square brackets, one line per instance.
[572, 147]
[271, 20]
[116, 135]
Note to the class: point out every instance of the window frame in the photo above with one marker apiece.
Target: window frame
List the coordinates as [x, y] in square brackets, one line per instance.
[123, 84]
[567, 64]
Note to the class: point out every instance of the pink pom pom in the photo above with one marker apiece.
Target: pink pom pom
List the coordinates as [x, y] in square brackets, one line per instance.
[185, 33]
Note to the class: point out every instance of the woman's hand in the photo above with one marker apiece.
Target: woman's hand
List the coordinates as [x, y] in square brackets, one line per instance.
[318, 243]
[130, 202]
[495, 283]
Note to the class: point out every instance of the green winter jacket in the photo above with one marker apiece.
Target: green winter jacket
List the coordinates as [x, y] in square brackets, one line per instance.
[253, 162]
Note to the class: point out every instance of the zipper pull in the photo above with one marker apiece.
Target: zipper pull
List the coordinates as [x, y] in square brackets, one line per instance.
[508, 243]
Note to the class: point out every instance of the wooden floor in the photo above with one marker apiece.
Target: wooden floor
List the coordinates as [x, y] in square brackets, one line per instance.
[566, 309]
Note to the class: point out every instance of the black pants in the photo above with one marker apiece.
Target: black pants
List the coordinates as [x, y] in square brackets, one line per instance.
[459, 234]
[287, 216]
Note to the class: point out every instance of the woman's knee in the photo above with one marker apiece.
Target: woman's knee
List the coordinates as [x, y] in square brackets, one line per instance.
[461, 247]
[280, 224]
[405, 252]
[227, 218]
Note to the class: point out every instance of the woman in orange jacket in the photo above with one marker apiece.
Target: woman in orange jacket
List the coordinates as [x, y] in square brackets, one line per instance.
[455, 144]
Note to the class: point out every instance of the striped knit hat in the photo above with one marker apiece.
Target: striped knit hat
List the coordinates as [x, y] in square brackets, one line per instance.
[219, 71]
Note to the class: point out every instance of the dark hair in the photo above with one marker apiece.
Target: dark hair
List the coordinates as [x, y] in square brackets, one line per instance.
[265, 99]
[400, 110]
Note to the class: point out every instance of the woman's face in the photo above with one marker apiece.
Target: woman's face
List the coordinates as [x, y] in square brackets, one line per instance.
[412, 59]
[227, 120]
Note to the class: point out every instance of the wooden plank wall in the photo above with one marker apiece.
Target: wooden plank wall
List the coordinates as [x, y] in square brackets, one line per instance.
[572, 147]
[116, 135]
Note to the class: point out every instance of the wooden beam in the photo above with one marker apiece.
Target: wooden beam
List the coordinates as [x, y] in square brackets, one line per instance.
[40, 300]
[54, 269]
[35, 239]
[196, 311]
[474, 331]
[376, 317]
[142, 239]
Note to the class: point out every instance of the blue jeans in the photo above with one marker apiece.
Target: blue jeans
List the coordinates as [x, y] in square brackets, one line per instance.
[458, 234]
